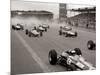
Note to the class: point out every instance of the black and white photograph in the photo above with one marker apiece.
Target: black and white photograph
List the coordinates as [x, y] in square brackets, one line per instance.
[52, 37]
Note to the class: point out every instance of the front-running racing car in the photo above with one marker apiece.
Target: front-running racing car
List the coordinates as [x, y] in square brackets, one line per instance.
[67, 31]
[71, 59]
[45, 26]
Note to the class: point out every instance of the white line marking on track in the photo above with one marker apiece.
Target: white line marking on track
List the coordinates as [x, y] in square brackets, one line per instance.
[34, 55]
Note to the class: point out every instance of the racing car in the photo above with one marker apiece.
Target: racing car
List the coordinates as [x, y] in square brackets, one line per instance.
[45, 26]
[91, 45]
[17, 27]
[40, 28]
[66, 27]
[33, 32]
[72, 59]
[67, 31]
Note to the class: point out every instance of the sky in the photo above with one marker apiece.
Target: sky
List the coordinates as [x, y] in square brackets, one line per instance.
[51, 6]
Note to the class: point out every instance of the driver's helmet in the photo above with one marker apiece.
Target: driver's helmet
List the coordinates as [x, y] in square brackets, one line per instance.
[72, 52]
[34, 27]
[39, 25]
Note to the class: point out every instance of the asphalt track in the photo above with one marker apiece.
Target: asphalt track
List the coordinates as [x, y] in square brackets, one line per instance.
[30, 55]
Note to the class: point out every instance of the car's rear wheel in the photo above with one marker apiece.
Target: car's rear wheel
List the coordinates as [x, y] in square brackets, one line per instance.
[66, 34]
[60, 27]
[26, 31]
[45, 29]
[52, 57]
[60, 32]
[30, 34]
[78, 51]
[90, 44]
[13, 27]
[75, 34]
[41, 33]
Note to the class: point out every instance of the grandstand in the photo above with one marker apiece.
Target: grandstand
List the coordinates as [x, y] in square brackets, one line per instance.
[86, 18]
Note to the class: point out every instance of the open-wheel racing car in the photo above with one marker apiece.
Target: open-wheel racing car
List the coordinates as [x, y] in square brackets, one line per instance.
[67, 31]
[33, 32]
[17, 27]
[71, 59]
[91, 45]
[45, 26]
[40, 28]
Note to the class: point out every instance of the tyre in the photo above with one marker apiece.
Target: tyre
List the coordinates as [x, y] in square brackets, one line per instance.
[35, 27]
[52, 57]
[75, 34]
[13, 27]
[29, 34]
[71, 67]
[60, 27]
[26, 31]
[78, 51]
[41, 33]
[60, 32]
[90, 44]
[66, 35]
[45, 29]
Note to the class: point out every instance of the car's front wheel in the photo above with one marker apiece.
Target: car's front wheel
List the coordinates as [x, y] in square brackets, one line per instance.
[13, 27]
[45, 29]
[53, 57]
[66, 35]
[75, 34]
[41, 33]
[60, 32]
[26, 31]
[90, 44]
[30, 34]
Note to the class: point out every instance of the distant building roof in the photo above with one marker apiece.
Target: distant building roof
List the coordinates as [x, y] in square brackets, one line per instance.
[34, 12]
[84, 9]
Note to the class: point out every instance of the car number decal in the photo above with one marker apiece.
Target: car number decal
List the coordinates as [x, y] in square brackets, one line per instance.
[69, 61]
